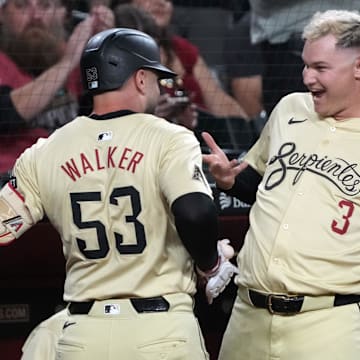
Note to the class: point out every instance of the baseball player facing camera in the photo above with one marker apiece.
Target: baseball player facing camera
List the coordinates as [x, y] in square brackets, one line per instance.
[299, 267]
[127, 194]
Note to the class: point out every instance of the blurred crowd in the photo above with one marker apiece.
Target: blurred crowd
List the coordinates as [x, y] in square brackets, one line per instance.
[234, 60]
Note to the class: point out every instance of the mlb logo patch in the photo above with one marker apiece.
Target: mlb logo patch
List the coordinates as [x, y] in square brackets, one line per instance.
[93, 85]
[111, 309]
[105, 136]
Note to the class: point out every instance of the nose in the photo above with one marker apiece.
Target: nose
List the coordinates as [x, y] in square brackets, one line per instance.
[308, 76]
[36, 11]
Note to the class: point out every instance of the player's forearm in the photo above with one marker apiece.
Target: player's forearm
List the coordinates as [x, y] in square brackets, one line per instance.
[216, 99]
[222, 104]
[32, 98]
[196, 222]
[247, 91]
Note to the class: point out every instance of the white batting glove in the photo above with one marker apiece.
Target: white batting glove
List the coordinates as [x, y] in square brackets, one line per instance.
[220, 276]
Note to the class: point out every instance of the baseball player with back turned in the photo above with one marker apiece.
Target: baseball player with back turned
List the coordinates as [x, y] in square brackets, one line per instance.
[127, 194]
[299, 268]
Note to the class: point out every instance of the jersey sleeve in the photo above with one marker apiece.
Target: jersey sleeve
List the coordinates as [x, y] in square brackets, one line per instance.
[257, 156]
[181, 167]
[27, 180]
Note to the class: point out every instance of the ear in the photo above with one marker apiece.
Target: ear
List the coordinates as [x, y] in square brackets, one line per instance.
[140, 80]
[357, 68]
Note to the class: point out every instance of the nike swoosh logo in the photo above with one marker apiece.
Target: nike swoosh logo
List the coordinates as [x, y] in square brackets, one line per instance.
[296, 121]
[67, 324]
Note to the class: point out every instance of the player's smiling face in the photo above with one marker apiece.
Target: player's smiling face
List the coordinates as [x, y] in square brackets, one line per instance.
[330, 75]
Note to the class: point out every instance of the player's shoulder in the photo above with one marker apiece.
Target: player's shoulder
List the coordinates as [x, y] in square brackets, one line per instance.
[170, 135]
[167, 127]
[298, 99]
[294, 104]
[292, 109]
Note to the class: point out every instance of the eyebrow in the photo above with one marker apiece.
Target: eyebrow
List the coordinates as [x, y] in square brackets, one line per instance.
[314, 63]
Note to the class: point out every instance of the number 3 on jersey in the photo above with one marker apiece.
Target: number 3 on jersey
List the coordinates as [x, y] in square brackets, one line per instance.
[103, 242]
[341, 227]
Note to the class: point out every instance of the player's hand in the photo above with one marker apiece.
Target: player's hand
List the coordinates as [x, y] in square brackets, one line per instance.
[221, 168]
[217, 278]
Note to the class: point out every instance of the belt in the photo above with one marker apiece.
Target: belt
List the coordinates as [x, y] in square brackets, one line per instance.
[291, 305]
[141, 305]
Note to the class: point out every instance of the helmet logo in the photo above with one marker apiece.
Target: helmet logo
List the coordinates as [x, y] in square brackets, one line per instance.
[92, 77]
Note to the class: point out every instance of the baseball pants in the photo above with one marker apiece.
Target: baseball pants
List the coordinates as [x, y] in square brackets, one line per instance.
[116, 329]
[331, 333]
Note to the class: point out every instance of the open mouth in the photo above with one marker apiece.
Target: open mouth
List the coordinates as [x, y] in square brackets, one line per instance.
[317, 94]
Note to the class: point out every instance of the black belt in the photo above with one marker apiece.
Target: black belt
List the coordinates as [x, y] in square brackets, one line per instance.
[141, 305]
[290, 305]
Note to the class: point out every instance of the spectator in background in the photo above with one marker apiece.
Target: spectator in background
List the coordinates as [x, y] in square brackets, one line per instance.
[174, 105]
[184, 58]
[244, 69]
[276, 27]
[39, 79]
[204, 24]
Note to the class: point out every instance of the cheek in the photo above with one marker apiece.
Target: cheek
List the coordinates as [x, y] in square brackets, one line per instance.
[166, 19]
[156, 90]
[339, 84]
[50, 18]
[167, 14]
[17, 22]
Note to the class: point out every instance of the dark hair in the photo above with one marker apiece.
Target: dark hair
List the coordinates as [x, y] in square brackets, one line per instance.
[131, 16]
[115, 3]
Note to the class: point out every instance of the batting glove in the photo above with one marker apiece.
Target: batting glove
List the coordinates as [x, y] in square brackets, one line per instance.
[220, 275]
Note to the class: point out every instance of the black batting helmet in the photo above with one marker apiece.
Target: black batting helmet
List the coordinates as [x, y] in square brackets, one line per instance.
[112, 56]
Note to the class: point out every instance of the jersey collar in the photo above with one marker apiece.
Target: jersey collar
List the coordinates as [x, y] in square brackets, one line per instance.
[111, 115]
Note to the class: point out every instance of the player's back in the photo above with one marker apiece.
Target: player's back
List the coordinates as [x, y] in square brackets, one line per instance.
[107, 186]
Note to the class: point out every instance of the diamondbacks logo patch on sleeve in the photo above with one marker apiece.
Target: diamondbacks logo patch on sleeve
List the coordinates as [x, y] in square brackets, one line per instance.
[198, 175]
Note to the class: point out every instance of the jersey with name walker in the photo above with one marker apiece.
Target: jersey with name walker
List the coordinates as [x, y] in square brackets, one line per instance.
[305, 230]
[107, 186]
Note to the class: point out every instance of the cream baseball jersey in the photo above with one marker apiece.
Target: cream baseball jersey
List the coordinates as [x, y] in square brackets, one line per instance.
[305, 230]
[107, 186]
